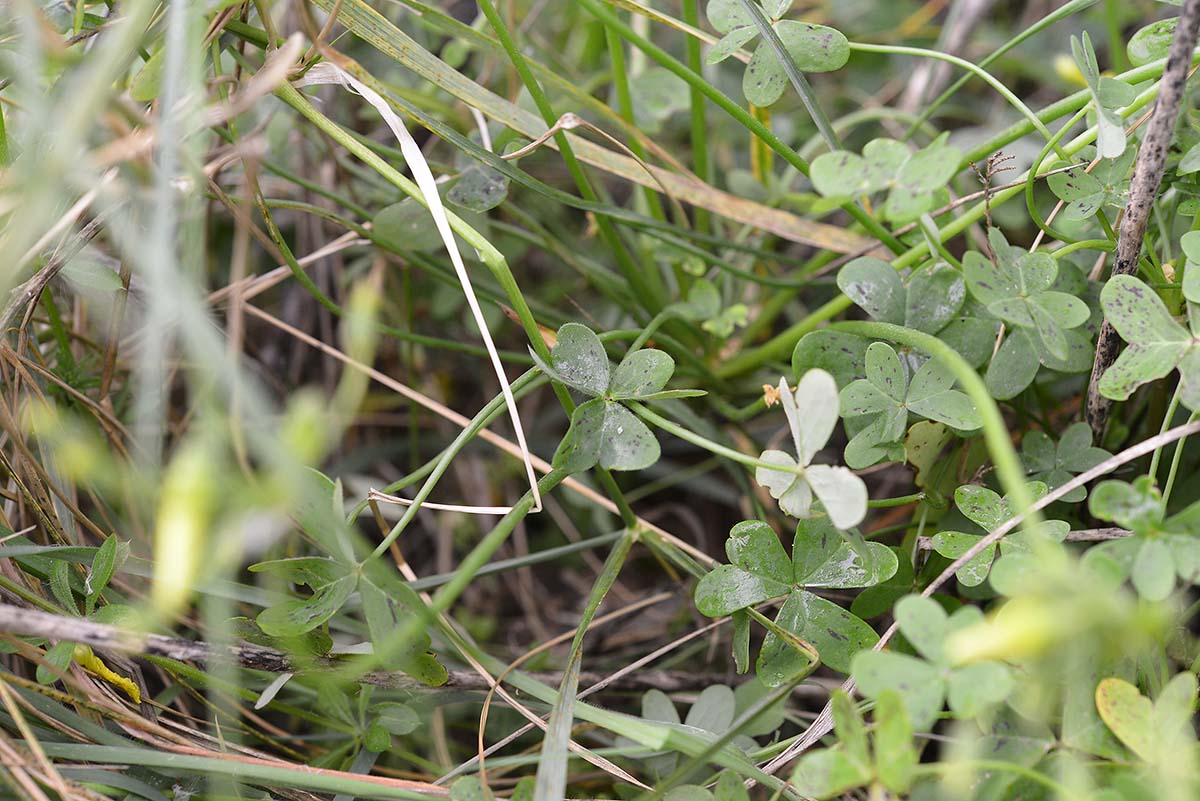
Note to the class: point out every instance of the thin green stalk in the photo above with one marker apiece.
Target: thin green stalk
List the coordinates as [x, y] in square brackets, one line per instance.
[535, 558]
[1175, 460]
[902, 500]
[647, 282]
[1061, 108]
[551, 782]
[1087, 244]
[650, 329]
[782, 344]
[1172, 407]
[484, 418]
[699, 123]
[684, 434]
[4, 158]
[620, 79]
[1058, 14]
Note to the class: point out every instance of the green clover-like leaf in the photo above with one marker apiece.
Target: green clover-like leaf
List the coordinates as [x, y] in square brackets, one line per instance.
[988, 510]
[1107, 184]
[578, 360]
[822, 557]
[1151, 42]
[813, 48]
[606, 433]
[886, 396]
[295, 616]
[910, 178]
[924, 684]
[1109, 94]
[1016, 289]
[1056, 465]
[1157, 343]
[1156, 731]
[641, 373]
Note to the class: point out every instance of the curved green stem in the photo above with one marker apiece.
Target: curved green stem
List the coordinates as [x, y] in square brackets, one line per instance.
[1175, 459]
[902, 500]
[1058, 14]
[987, 77]
[1172, 407]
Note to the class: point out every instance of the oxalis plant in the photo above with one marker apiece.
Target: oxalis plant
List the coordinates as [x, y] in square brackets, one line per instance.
[706, 400]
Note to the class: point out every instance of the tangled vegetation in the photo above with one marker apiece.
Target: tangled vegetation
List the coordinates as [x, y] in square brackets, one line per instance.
[640, 399]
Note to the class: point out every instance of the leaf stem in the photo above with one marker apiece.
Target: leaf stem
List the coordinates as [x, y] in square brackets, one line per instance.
[707, 444]
[986, 76]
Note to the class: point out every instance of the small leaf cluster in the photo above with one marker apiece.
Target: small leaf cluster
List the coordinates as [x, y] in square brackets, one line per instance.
[881, 403]
[1045, 324]
[603, 431]
[334, 576]
[1161, 548]
[926, 683]
[1055, 465]
[66, 587]
[822, 558]
[910, 178]
[703, 305]
[987, 510]
[1087, 192]
[933, 300]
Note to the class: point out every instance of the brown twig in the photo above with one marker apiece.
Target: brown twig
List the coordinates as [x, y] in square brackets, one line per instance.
[1082, 535]
[25, 622]
[31, 290]
[1147, 177]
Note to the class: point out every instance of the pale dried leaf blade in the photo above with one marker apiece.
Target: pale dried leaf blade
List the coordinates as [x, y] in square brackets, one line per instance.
[327, 72]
